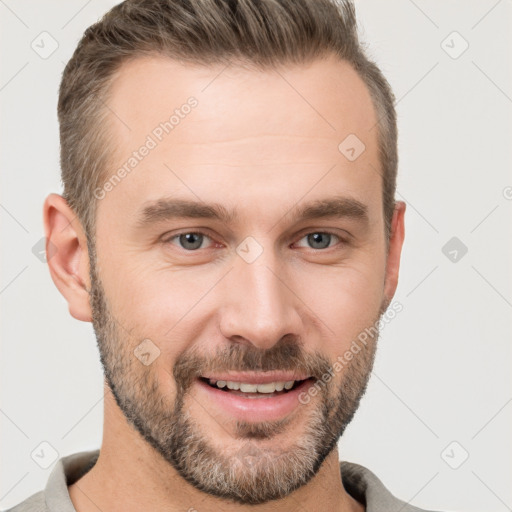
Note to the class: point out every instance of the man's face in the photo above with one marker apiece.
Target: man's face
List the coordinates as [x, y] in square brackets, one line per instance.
[275, 292]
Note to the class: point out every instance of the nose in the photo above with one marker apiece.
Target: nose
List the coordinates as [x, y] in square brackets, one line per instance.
[258, 305]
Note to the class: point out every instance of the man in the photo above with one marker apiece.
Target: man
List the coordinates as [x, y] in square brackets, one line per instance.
[258, 133]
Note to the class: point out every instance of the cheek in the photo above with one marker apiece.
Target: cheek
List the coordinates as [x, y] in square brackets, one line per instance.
[155, 313]
[161, 304]
[345, 300]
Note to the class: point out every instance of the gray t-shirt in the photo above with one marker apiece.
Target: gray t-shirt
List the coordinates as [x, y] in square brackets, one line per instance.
[358, 481]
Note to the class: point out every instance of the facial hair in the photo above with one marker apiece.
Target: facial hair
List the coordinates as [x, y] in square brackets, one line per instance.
[250, 473]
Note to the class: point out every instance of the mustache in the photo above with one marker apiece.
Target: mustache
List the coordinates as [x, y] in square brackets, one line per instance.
[287, 355]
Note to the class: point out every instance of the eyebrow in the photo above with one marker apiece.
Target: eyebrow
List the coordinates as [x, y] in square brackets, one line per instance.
[166, 209]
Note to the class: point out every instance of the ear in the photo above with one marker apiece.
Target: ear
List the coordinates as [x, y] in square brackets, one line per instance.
[394, 251]
[67, 255]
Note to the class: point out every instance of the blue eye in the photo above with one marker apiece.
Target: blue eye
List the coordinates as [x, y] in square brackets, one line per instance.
[320, 239]
[190, 241]
[193, 241]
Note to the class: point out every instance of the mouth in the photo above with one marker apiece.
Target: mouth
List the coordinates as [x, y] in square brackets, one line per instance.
[254, 390]
[253, 398]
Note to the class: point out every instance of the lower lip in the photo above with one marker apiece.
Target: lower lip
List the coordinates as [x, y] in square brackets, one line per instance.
[266, 408]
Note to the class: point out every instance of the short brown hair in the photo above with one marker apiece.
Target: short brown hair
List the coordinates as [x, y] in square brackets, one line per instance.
[263, 33]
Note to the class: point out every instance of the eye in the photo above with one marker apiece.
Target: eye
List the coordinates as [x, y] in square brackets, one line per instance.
[190, 241]
[193, 240]
[320, 239]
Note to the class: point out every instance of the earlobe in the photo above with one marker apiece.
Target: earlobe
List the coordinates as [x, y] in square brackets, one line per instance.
[67, 255]
[394, 251]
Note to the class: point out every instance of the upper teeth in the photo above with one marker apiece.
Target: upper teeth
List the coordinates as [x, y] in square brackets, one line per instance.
[269, 387]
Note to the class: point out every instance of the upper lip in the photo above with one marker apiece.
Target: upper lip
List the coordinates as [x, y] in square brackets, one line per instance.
[256, 377]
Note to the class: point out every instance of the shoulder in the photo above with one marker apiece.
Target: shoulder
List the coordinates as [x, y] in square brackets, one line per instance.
[367, 488]
[34, 503]
[55, 496]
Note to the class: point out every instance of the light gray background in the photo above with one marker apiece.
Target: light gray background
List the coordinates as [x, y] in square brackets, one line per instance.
[443, 370]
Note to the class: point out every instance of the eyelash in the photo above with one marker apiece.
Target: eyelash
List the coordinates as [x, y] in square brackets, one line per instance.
[325, 232]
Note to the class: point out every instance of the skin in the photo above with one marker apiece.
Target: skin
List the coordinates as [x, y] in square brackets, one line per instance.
[253, 143]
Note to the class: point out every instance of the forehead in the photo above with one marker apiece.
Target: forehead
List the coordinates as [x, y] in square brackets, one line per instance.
[249, 132]
[146, 89]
